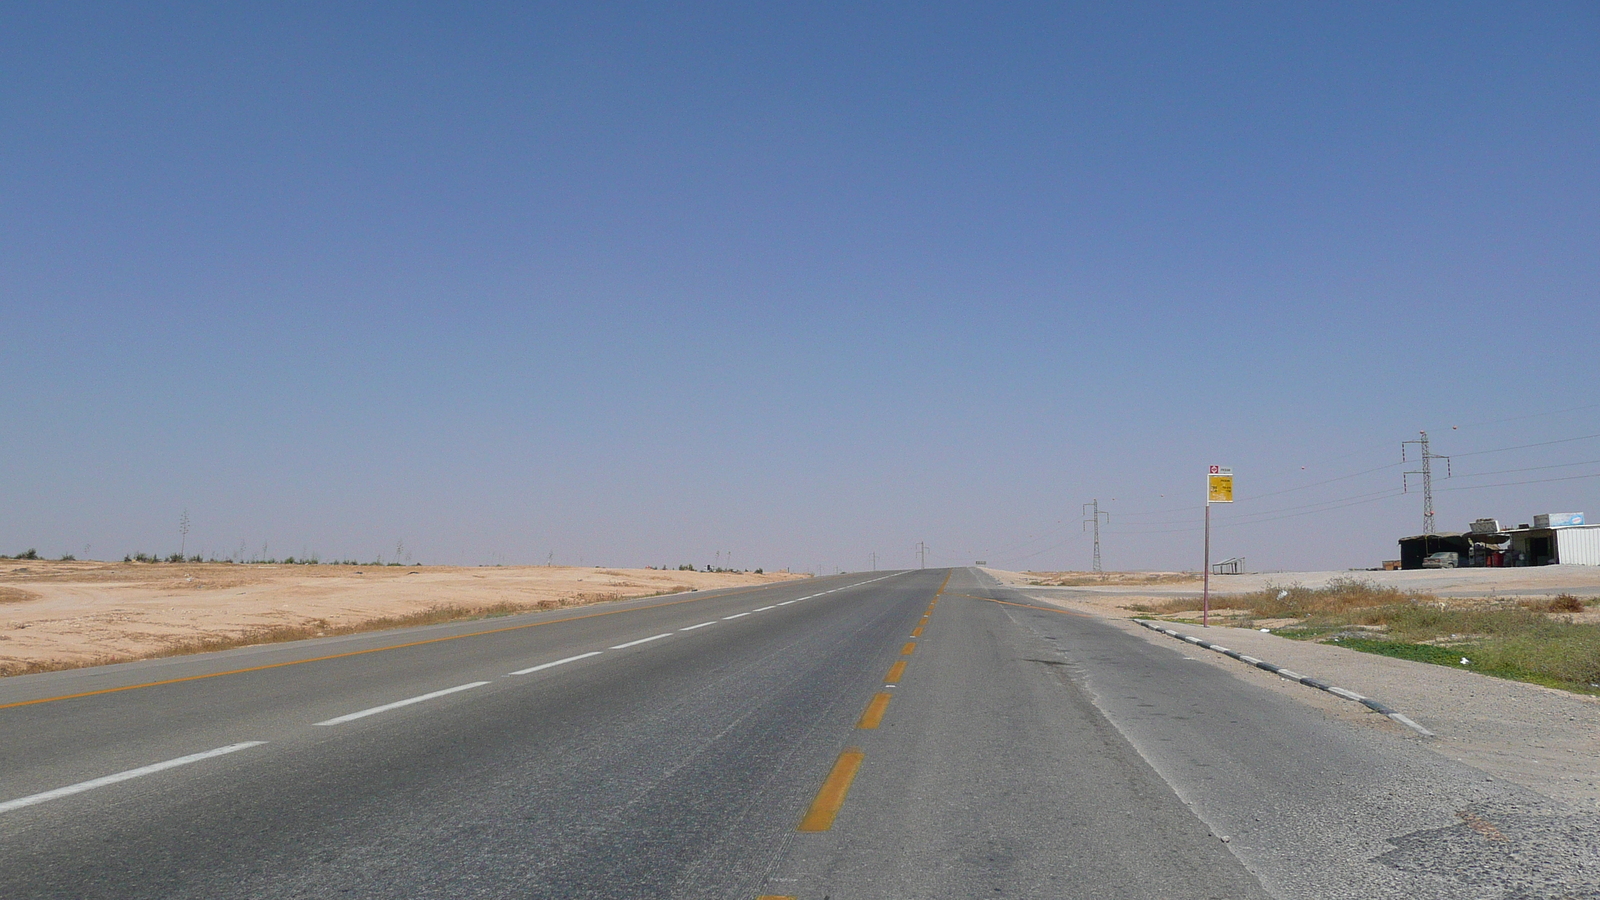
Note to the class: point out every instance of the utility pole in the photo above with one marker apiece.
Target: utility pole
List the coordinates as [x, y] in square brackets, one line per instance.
[874, 560]
[1094, 519]
[922, 555]
[1426, 472]
[183, 529]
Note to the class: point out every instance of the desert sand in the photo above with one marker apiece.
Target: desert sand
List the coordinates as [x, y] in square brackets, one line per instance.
[65, 614]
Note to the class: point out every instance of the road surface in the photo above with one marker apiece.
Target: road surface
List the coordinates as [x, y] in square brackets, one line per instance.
[924, 734]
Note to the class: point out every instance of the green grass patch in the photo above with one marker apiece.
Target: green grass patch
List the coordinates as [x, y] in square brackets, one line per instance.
[1559, 664]
[1526, 640]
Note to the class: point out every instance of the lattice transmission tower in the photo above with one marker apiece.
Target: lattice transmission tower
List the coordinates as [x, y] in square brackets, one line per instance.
[1093, 519]
[1426, 472]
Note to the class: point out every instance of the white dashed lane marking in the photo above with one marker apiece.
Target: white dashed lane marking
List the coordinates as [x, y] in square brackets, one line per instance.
[653, 637]
[559, 662]
[340, 720]
[82, 786]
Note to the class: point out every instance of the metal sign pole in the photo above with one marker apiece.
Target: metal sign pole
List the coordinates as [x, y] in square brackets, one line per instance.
[1205, 595]
[1219, 489]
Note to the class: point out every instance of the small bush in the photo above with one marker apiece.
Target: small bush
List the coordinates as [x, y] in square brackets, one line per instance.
[1560, 603]
[68, 557]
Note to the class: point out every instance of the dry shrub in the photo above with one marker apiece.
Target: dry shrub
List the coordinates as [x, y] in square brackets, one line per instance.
[1340, 595]
[1167, 607]
[16, 595]
[1560, 603]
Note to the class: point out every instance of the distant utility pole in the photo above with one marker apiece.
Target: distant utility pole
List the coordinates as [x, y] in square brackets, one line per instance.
[1426, 472]
[183, 529]
[922, 555]
[874, 560]
[1093, 518]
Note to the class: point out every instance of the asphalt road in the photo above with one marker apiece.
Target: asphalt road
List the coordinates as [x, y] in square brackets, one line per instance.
[844, 737]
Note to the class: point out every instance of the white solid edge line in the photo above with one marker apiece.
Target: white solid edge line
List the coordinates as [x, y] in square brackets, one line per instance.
[653, 637]
[693, 627]
[559, 662]
[82, 786]
[399, 703]
[734, 616]
[1410, 724]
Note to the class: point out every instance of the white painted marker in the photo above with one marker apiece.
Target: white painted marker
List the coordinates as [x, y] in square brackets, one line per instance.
[734, 616]
[693, 627]
[559, 662]
[786, 602]
[82, 786]
[399, 703]
[654, 637]
[765, 608]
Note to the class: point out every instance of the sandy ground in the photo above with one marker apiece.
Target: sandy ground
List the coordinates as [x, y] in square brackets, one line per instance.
[55, 614]
[1582, 581]
[1541, 738]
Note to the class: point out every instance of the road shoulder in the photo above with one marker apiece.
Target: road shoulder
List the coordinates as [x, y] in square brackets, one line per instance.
[1541, 738]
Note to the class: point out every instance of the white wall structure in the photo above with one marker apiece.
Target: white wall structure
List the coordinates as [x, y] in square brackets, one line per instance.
[1578, 545]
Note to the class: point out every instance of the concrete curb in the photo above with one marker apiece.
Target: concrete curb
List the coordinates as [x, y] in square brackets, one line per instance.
[1281, 672]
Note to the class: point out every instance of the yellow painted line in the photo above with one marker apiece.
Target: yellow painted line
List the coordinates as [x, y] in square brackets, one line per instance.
[906, 650]
[917, 631]
[924, 621]
[837, 786]
[299, 662]
[873, 715]
[895, 671]
[942, 584]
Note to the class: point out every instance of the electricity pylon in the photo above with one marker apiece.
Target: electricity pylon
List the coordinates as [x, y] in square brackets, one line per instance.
[1094, 519]
[1426, 472]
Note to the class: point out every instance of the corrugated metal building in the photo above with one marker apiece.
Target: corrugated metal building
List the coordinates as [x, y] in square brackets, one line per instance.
[1572, 545]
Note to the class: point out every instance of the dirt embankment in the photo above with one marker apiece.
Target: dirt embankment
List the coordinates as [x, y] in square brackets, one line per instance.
[64, 614]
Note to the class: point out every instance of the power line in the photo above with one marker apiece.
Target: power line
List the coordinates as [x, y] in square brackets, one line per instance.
[1587, 462]
[1586, 437]
[1478, 487]
[1553, 412]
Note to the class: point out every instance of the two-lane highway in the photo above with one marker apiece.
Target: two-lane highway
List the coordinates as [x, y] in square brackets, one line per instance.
[652, 748]
[878, 735]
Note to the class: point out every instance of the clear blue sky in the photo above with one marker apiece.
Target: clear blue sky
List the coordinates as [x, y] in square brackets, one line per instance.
[645, 284]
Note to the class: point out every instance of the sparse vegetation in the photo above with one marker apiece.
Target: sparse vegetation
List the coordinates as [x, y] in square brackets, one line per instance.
[1527, 640]
[315, 628]
[1084, 579]
[29, 553]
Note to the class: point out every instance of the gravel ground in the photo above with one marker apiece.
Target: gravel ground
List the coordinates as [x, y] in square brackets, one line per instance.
[1544, 739]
